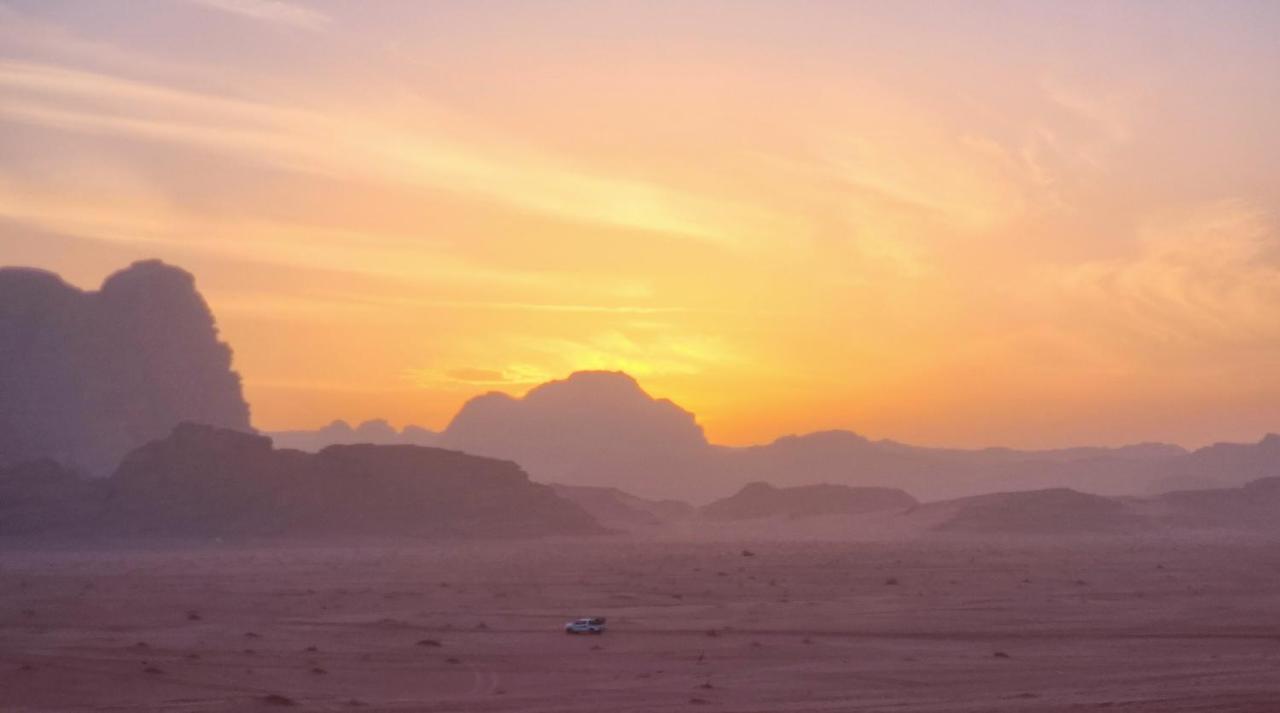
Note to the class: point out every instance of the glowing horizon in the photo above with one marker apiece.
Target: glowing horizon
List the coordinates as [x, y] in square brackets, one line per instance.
[1009, 224]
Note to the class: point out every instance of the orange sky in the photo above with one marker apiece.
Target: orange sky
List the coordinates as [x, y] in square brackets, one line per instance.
[964, 224]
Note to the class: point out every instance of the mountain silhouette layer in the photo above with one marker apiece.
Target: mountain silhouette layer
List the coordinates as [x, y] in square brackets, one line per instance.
[85, 377]
[211, 482]
[601, 429]
[1223, 464]
[1253, 505]
[1249, 508]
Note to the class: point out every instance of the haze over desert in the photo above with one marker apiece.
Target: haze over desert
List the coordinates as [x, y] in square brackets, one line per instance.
[571, 355]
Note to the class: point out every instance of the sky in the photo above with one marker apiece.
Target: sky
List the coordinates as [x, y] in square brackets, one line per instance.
[966, 224]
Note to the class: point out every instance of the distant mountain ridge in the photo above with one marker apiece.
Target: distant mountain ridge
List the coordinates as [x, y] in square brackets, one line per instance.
[937, 473]
[1248, 508]
[601, 429]
[375, 432]
[1224, 464]
[202, 482]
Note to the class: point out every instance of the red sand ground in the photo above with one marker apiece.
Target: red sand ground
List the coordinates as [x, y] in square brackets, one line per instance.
[1123, 625]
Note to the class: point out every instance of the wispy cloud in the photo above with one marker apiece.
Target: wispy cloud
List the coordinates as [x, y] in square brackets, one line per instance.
[469, 377]
[351, 148]
[573, 308]
[1205, 279]
[957, 182]
[154, 224]
[271, 11]
[656, 355]
[1108, 112]
[535, 359]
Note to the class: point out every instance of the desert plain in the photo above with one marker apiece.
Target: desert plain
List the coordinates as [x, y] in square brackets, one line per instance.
[1125, 623]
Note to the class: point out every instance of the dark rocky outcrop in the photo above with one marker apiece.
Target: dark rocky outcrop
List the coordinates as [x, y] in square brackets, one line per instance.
[758, 500]
[87, 376]
[206, 481]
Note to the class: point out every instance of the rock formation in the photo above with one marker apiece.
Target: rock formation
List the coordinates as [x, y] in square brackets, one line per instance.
[203, 481]
[593, 428]
[758, 500]
[87, 376]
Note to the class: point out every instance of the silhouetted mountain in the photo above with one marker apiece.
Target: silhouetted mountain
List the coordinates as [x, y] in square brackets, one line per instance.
[593, 428]
[619, 510]
[1253, 506]
[757, 500]
[933, 473]
[377, 432]
[602, 429]
[206, 481]
[1223, 464]
[87, 376]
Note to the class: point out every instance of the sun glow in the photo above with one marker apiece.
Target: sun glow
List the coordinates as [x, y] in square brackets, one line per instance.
[785, 220]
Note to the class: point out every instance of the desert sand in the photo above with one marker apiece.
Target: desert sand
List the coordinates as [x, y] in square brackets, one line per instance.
[1125, 623]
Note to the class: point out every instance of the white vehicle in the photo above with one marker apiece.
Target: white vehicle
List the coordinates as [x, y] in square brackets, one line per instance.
[593, 625]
